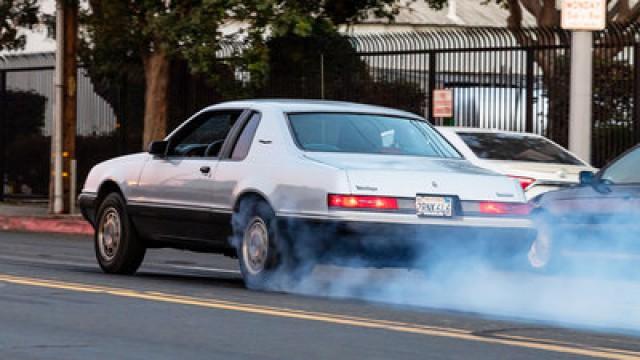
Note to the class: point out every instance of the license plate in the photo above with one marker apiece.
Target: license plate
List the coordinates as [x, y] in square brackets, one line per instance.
[438, 206]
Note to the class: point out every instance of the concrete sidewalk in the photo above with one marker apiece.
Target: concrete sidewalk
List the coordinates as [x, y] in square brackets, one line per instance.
[34, 217]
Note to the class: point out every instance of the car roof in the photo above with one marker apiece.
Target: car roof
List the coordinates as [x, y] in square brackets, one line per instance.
[458, 129]
[297, 105]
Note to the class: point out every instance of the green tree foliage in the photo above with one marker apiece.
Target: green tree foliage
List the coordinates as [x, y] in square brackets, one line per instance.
[129, 39]
[16, 14]
[124, 36]
[121, 34]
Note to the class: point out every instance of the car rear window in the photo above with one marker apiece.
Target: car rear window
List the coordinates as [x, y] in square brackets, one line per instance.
[368, 134]
[517, 147]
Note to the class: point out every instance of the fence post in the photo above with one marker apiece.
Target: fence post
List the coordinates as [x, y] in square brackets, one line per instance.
[529, 79]
[3, 131]
[636, 93]
[432, 85]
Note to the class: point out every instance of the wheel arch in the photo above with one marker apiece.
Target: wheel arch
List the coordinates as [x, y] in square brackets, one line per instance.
[251, 194]
[107, 187]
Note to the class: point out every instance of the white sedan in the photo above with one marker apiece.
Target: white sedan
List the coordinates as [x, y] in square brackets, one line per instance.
[539, 164]
[282, 185]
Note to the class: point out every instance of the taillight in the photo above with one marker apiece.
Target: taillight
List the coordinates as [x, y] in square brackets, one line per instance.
[525, 182]
[501, 208]
[362, 202]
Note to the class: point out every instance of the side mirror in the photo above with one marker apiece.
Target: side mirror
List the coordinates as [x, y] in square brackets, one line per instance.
[158, 148]
[586, 177]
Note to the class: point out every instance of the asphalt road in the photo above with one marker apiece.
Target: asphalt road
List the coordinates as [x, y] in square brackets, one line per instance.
[56, 304]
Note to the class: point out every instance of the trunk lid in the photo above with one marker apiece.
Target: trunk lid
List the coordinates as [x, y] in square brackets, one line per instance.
[539, 171]
[406, 176]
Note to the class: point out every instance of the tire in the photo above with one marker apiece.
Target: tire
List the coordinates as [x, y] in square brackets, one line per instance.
[117, 246]
[541, 256]
[266, 257]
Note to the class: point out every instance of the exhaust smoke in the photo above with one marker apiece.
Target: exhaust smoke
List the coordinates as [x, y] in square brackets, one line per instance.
[594, 283]
[590, 289]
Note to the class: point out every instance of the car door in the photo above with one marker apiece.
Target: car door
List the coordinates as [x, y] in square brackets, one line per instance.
[234, 165]
[174, 197]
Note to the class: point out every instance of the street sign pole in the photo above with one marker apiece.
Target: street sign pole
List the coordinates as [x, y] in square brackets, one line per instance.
[582, 17]
[580, 121]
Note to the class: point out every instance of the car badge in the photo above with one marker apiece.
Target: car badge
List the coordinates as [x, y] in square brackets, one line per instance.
[366, 188]
[562, 173]
[434, 184]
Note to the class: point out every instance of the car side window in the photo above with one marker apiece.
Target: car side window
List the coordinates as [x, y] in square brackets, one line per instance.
[204, 135]
[625, 170]
[242, 146]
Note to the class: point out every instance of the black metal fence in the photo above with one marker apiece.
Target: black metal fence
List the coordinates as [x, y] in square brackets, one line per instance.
[500, 79]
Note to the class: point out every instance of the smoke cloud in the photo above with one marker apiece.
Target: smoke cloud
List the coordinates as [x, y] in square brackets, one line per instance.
[594, 282]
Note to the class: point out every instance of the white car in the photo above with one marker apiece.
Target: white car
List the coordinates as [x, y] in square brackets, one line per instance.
[284, 184]
[539, 164]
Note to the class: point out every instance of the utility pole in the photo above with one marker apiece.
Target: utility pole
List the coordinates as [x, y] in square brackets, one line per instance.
[63, 139]
[70, 104]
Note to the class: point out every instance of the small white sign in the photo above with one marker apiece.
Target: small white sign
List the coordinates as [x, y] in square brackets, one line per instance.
[442, 103]
[584, 15]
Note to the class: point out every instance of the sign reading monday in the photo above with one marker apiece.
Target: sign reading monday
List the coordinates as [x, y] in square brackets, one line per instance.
[585, 15]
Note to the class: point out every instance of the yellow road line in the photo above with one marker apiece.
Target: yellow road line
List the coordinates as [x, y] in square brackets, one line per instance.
[401, 327]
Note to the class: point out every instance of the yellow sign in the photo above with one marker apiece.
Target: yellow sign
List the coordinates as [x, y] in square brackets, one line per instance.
[585, 15]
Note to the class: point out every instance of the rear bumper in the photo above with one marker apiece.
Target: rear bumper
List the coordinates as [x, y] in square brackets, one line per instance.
[395, 244]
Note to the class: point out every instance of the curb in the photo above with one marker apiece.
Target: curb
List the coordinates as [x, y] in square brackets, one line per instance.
[69, 226]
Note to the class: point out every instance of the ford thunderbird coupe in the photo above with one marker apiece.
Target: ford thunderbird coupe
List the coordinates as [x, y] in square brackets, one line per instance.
[286, 184]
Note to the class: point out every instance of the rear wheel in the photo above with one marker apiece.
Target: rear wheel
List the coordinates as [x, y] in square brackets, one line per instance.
[117, 246]
[266, 257]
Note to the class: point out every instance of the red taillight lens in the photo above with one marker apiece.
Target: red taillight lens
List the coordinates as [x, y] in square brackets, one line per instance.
[525, 182]
[362, 202]
[500, 208]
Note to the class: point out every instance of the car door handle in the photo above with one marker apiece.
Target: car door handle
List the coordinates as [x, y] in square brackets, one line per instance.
[205, 169]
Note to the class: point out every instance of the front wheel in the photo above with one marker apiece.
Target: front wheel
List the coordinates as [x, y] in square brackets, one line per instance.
[117, 246]
[266, 258]
[541, 254]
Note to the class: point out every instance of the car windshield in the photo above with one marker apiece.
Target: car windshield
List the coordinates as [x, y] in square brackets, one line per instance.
[624, 170]
[516, 147]
[368, 134]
